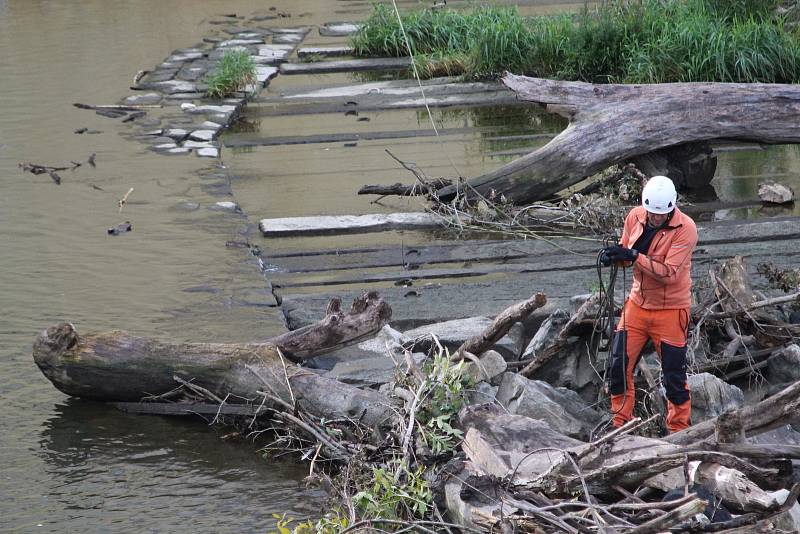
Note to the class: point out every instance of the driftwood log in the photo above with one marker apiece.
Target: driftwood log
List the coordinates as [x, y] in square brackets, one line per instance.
[613, 123]
[117, 366]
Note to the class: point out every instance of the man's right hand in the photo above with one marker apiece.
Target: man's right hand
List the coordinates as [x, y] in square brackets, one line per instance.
[605, 260]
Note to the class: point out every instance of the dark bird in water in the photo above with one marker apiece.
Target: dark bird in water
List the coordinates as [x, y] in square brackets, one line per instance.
[90, 161]
[439, 4]
[56, 178]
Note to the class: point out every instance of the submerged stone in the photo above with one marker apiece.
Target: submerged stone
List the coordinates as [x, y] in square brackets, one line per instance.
[171, 86]
[265, 74]
[338, 29]
[325, 51]
[275, 52]
[211, 152]
[176, 133]
[209, 125]
[226, 205]
[196, 144]
[164, 146]
[143, 99]
[288, 38]
[202, 135]
[240, 42]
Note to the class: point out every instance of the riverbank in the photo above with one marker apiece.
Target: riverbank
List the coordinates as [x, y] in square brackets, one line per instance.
[613, 42]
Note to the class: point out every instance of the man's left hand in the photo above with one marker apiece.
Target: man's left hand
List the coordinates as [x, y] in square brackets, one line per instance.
[618, 253]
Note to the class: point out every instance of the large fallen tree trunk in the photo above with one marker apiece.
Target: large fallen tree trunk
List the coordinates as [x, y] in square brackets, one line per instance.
[612, 123]
[116, 366]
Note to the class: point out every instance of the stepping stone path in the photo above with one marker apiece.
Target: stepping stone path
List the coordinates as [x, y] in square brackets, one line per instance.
[178, 116]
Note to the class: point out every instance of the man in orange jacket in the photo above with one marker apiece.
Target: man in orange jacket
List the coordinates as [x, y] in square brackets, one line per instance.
[658, 241]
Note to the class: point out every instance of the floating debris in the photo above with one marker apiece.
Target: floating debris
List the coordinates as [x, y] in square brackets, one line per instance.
[121, 228]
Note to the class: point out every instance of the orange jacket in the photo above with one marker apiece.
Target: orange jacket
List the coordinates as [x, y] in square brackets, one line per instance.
[662, 279]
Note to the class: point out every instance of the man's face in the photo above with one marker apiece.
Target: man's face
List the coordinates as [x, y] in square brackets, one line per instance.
[657, 219]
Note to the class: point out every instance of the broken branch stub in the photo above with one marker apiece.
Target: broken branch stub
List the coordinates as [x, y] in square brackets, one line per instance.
[367, 316]
[479, 344]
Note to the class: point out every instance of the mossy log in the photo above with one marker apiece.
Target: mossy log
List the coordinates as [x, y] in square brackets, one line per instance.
[117, 366]
[614, 123]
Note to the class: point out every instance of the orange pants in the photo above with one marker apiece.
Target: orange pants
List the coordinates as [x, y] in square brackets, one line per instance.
[667, 329]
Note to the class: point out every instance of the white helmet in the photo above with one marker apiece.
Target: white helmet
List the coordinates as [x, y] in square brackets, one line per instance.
[659, 195]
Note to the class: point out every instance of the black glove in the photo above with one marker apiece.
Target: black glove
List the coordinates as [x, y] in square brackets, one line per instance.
[618, 253]
[604, 259]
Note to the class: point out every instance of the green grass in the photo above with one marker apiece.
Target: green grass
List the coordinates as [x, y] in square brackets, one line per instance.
[622, 41]
[234, 72]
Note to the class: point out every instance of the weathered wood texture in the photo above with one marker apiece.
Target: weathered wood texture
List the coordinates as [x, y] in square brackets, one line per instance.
[612, 123]
[780, 409]
[337, 329]
[117, 366]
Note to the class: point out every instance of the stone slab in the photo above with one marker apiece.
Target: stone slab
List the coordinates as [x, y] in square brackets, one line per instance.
[286, 31]
[144, 99]
[198, 144]
[346, 65]
[211, 152]
[240, 42]
[338, 29]
[202, 135]
[324, 51]
[345, 224]
[209, 125]
[265, 74]
[288, 38]
[170, 86]
[274, 53]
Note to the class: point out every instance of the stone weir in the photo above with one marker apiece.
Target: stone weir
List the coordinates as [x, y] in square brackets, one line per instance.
[170, 110]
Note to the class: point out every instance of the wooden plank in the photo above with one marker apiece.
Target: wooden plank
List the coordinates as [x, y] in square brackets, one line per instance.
[346, 65]
[345, 224]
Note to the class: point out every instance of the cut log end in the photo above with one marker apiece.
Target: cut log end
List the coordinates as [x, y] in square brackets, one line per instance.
[54, 342]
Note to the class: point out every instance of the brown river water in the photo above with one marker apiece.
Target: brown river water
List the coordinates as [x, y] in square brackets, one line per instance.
[74, 466]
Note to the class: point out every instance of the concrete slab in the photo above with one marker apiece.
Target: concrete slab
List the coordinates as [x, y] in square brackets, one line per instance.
[265, 74]
[324, 51]
[274, 53]
[344, 224]
[347, 65]
[338, 29]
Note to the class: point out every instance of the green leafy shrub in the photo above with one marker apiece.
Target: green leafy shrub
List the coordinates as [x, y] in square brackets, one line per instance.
[387, 498]
[235, 71]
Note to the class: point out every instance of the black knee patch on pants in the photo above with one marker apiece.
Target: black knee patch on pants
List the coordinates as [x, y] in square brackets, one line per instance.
[619, 362]
[673, 363]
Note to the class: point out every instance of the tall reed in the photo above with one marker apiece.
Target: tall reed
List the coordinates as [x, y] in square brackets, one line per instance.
[621, 41]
